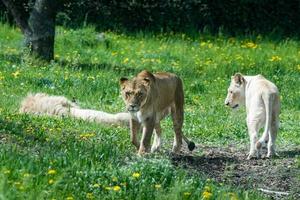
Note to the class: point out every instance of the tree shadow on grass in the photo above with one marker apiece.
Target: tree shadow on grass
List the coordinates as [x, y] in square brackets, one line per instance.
[13, 58]
[289, 153]
[120, 69]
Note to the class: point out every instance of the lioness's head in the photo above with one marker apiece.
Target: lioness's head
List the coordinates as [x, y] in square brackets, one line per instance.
[236, 91]
[135, 92]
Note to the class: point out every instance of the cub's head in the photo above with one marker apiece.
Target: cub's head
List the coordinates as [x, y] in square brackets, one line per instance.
[236, 91]
[135, 92]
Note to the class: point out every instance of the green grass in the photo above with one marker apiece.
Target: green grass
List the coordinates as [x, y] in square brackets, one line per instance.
[90, 160]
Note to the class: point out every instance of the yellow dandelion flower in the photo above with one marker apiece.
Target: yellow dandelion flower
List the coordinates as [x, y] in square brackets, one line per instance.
[6, 171]
[251, 45]
[16, 73]
[21, 187]
[206, 195]
[108, 188]
[89, 195]
[1, 76]
[157, 186]
[51, 181]
[187, 194]
[114, 53]
[51, 171]
[69, 198]
[116, 188]
[202, 44]
[114, 179]
[91, 78]
[86, 135]
[275, 59]
[17, 183]
[136, 175]
[96, 185]
[126, 60]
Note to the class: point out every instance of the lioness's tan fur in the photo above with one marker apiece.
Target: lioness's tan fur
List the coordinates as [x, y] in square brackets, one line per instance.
[149, 98]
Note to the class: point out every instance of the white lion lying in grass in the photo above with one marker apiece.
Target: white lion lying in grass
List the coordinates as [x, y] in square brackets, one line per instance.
[43, 104]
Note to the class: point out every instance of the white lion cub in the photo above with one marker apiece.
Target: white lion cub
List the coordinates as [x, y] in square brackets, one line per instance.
[262, 101]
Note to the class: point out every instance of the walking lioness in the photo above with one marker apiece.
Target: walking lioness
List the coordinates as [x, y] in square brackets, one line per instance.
[261, 98]
[149, 98]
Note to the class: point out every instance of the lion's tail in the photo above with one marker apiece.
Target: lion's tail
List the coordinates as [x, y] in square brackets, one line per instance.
[43, 104]
[100, 117]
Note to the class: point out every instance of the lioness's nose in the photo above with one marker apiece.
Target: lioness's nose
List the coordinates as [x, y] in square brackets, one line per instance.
[227, 103]
[132, 105]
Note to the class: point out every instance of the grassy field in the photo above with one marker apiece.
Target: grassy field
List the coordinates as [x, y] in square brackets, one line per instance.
[64, 158]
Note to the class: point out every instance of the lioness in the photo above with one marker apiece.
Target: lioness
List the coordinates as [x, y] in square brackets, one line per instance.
[149, 98]
[262, 101]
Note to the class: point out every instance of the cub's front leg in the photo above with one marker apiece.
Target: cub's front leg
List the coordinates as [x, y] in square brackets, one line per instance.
[146, 137]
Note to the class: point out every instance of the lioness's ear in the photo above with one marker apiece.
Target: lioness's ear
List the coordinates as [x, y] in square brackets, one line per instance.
[147, 77]
[147, 81]
[123, 80]
[238, 78]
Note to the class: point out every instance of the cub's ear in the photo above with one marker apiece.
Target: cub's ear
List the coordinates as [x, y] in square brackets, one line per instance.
[238, 78]
[122, 81]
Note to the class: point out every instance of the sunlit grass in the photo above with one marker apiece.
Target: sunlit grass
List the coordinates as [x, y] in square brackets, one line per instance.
[62, 158]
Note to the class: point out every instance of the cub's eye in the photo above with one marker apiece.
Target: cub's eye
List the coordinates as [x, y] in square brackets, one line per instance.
[230, 92]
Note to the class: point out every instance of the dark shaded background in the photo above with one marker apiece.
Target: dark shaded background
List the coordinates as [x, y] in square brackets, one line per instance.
[233, 17]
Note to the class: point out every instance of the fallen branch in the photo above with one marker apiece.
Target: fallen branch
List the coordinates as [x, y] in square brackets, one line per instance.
[273, 192]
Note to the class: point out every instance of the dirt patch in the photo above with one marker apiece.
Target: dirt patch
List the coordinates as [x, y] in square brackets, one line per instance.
[229, 165]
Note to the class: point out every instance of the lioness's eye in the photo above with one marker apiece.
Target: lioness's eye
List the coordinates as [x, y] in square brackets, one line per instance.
[230, 92]
[128, 94]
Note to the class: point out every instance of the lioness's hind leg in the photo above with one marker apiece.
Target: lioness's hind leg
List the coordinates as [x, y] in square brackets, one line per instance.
[262, 142]
[272, 139]
[253, 131]
[157, 138]
[177, 118]
[272, 120]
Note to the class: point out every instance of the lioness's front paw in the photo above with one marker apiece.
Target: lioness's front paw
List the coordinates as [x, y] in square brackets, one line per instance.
[143, 150]
[176, 149]
[272, 155]
[155, 148]
[251, 156]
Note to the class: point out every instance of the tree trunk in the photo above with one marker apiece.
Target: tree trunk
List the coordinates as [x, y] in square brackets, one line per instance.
[39, 29]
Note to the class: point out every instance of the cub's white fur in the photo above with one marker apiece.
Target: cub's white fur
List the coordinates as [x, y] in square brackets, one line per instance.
[43, 104]
[262, 101]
